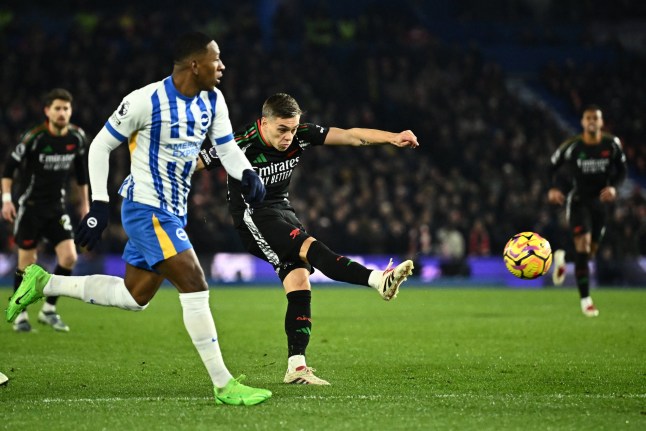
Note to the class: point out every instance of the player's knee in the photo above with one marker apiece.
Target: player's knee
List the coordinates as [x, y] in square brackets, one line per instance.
[67, 261]
[305, 248]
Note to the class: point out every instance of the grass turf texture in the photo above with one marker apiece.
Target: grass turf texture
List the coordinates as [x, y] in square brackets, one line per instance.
[432, 359]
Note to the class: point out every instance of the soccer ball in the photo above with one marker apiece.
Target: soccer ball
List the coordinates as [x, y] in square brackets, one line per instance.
[528, 255]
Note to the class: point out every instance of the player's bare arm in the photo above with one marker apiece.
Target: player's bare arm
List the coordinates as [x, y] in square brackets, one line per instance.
[555, 196]
[84, 201]
[608, 194]
[358, 137]
[8, 208]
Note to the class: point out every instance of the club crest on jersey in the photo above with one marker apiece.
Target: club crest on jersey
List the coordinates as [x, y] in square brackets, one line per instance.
[181, 234]
[205, 120]
[123, 108]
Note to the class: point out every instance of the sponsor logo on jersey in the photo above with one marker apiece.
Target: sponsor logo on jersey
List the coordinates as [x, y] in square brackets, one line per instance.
[56, 162]
[593, 166]
[276, 172]
[184, 149]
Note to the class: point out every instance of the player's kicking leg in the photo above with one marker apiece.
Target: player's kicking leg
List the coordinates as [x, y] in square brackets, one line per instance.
[392, 278]
[341, 268]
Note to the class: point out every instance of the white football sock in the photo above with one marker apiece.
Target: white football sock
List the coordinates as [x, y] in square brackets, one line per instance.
[374, 279]
[294, 362]
[48, 308]
[94, 289]
[22, 316]
[201, 327]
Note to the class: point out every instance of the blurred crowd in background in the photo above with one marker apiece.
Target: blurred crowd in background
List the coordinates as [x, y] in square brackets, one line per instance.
[481, 172]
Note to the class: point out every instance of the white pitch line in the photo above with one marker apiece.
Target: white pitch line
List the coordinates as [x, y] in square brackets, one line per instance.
[353, 397]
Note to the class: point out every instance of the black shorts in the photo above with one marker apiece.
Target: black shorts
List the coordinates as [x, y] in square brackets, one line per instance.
[275, 235]
[34, 223]
[587, 216]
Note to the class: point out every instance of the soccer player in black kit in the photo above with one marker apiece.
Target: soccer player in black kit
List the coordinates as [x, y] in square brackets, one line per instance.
[44, 157]
[596, 166]
[271, 231]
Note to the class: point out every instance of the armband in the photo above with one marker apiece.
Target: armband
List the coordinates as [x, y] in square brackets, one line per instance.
[209, 158]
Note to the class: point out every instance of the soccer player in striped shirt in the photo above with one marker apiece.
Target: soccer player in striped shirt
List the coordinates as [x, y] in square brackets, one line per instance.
[164, 124]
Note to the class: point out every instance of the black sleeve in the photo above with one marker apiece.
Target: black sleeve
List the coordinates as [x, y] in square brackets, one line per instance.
[311, 134]
[619, 171]
[209, 156]
[10, 167]
[558, 179]
[14, 159]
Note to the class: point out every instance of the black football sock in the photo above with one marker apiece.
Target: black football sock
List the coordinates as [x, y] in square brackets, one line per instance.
[337, 267]
[582, 274]
[58, 271]
[298, 321]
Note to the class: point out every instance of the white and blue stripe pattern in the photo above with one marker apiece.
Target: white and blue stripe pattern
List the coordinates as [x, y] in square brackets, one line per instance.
[165, 130]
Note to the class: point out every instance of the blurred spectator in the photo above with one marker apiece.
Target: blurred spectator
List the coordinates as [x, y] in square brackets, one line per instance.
[482, 150]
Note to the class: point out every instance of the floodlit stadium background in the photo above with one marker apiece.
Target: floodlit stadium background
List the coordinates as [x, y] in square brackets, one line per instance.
[490, 89]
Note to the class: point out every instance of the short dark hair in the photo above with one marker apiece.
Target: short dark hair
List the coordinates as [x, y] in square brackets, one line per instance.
[281, 105]
[57, 94]
[190, 43]
[592, 107]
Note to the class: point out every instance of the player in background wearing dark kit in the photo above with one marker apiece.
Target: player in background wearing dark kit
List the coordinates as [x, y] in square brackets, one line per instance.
[596, 166]
[44, 157]
[271, 231]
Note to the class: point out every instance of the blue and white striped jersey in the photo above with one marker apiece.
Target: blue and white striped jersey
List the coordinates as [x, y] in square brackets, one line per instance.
[164, 131]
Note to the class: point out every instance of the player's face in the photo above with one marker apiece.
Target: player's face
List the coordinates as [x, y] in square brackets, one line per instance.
[592, 121]
[210, 67]
[59, 113]
[279, 132]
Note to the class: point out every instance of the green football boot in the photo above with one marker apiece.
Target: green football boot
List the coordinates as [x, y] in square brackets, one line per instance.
[236, 394]
[30, 290]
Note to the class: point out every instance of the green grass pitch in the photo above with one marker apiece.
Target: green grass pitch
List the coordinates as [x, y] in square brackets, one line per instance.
[447, 359]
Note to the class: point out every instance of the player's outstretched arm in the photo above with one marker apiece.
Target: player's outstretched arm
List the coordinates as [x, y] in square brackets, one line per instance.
[358, 136]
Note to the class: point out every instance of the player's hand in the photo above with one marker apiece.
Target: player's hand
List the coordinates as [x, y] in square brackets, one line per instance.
[8, 211]
[89, 230]
[406, 139]
[555, 196]
[253, 188]
[608, 194]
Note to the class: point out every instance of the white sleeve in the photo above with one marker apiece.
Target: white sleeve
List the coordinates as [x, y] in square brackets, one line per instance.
[221, 135]
[233, 159]
[99, 163]
[220, 131]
